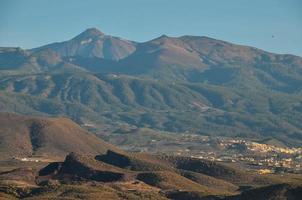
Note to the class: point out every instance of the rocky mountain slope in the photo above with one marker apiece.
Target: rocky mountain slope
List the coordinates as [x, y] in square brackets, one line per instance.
[92, 43]
[190, 83]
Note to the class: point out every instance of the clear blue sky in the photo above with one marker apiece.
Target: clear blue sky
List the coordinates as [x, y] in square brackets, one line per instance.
[32, 23]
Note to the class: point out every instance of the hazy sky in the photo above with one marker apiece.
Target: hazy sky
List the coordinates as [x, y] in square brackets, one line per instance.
[272, 25]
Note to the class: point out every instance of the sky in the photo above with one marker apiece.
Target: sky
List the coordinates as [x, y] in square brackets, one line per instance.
[271, 25]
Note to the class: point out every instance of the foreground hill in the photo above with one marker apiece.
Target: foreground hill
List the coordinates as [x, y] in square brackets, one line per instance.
[97, 170]
[33, 136]
[278, 191]
[137, 176]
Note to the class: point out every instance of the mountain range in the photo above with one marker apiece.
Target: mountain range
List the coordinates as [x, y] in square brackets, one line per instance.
[177, 84]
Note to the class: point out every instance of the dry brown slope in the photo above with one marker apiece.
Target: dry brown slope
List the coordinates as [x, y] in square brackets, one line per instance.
[26, 136]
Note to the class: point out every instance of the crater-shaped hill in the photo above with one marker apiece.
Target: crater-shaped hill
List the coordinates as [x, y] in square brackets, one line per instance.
[142, 168]
[79, 167]
[207, 173]
[158, 177]
[26, 136]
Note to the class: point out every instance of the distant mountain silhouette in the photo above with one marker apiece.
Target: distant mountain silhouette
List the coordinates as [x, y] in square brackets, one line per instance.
[93, 43]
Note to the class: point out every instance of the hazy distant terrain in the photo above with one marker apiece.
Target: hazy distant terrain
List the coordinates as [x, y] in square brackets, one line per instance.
[186, 84]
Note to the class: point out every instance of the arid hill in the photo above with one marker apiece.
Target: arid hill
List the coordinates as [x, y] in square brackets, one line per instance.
[97, 170]
[119, 175]
[36, 136]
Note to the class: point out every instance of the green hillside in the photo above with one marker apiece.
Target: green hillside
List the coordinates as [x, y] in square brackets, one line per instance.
[185, 84]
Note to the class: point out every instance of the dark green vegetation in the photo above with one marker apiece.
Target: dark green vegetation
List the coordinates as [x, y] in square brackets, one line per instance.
[194, 84]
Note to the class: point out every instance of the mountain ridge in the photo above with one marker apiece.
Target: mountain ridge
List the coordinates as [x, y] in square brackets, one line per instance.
[92, 43]
[177, 84]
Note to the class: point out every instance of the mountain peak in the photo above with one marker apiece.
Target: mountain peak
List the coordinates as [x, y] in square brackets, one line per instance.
[94, 31]
[163, 36]
[90, 32]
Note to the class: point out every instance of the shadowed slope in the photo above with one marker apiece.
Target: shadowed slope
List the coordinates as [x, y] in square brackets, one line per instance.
[171, 181]
[25, 136]
[82, 167]
[272, 192]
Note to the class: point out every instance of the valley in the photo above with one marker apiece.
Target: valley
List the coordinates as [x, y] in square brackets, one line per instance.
[260, 156]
